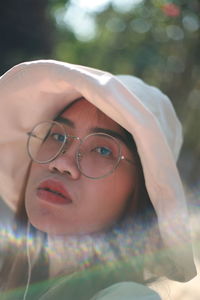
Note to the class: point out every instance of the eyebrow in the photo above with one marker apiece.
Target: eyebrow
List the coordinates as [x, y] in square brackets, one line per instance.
[111, 132]
[65, 121]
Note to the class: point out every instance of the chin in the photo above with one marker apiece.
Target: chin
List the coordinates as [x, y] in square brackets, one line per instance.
[45, 225]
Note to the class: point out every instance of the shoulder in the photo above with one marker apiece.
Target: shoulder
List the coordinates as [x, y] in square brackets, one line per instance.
[126, 291]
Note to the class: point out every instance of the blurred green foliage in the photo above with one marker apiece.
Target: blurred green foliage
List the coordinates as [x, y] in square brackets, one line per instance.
[157, 40]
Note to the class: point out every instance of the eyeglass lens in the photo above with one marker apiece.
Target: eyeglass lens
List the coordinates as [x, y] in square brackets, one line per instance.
[97, 154]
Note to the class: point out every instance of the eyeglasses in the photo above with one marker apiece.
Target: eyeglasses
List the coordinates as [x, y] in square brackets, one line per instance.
[97, 154]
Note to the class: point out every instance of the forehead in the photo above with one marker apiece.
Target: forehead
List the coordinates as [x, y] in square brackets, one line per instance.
[86, 114]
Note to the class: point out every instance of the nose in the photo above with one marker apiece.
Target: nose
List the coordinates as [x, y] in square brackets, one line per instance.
[65, 164]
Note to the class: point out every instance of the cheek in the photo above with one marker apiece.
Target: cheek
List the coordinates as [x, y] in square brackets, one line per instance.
[123, 191]
[108, 197]
[34, 173]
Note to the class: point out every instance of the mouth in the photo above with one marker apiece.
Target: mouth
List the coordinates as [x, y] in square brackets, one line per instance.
[54, 192]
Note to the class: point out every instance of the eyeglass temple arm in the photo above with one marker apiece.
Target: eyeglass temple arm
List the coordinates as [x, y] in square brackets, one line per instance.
[128, 160]
[33, 135]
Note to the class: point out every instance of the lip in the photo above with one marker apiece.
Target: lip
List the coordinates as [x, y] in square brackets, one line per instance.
[53, 191]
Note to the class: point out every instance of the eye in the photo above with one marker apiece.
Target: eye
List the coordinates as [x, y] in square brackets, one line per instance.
[103, 151]
[58, 137]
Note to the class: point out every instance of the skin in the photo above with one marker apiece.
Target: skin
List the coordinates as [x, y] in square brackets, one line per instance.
[96, 204]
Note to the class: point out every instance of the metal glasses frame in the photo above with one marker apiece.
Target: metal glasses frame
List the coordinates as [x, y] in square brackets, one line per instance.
[62, 149]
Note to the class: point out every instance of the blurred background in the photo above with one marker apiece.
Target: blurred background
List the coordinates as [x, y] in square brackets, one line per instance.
[157, 40]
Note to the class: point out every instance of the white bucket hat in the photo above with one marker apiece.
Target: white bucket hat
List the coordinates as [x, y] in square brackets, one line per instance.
[36, 91]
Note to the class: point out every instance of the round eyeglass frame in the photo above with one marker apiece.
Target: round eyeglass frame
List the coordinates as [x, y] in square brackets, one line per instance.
[61, 151]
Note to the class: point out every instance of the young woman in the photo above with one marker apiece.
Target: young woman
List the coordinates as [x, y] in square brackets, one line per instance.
[88, 164]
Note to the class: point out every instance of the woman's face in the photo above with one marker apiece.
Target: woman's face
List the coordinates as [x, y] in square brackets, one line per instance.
[60, 200]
